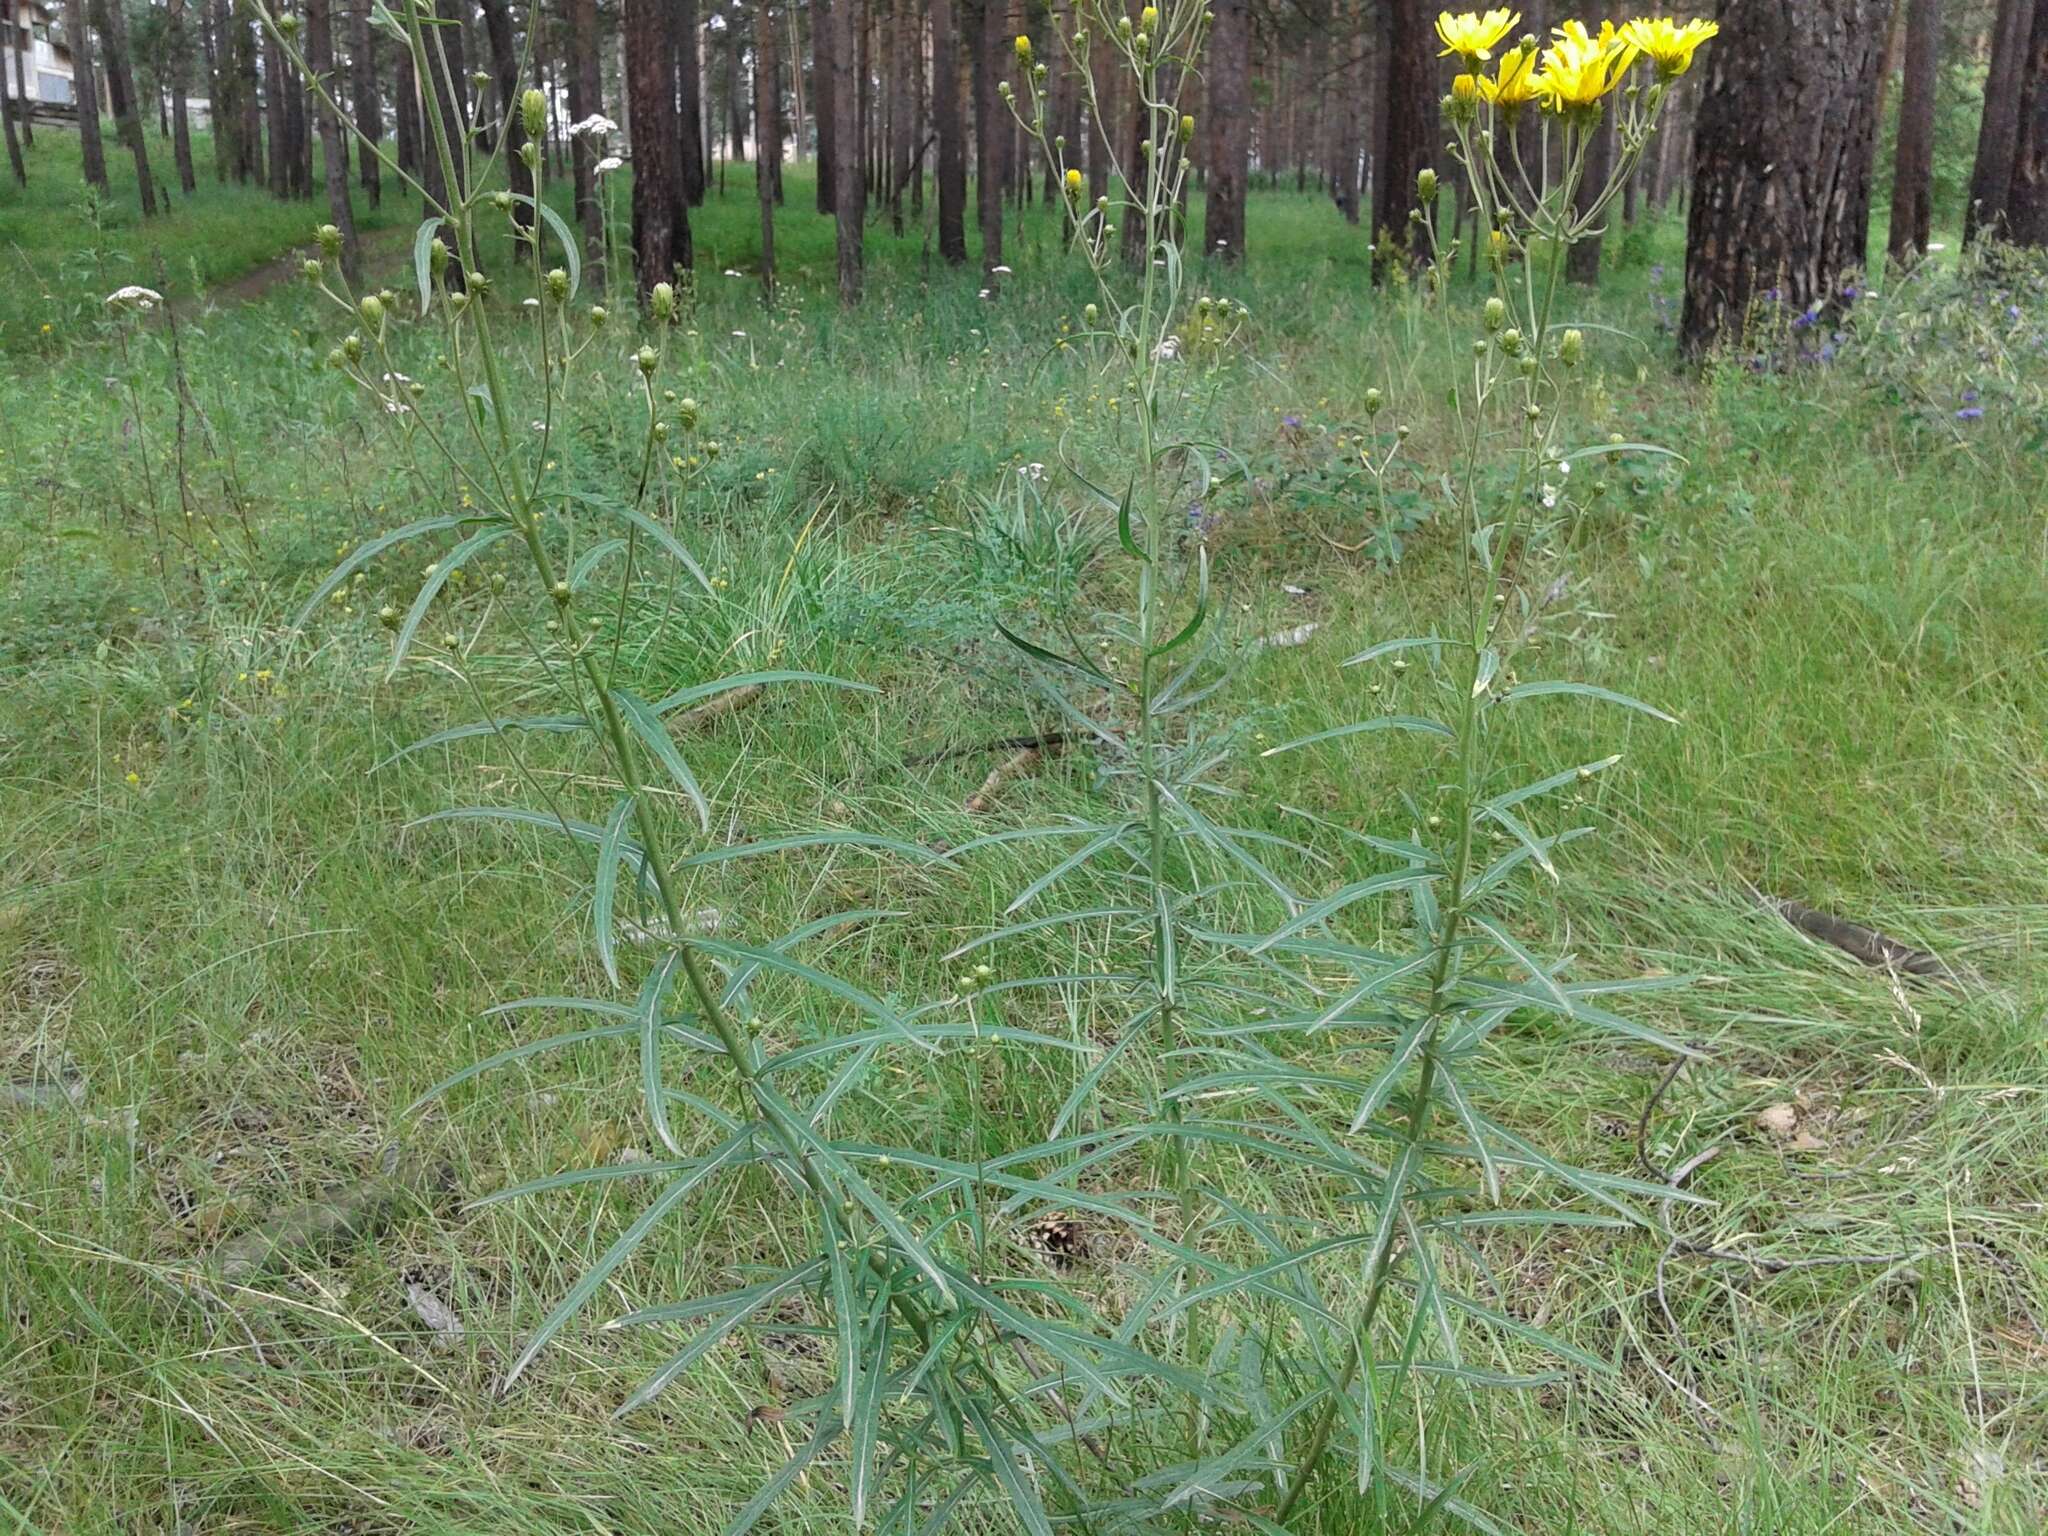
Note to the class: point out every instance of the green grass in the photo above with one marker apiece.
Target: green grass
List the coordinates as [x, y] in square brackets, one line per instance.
[256, 968]
[65, 249]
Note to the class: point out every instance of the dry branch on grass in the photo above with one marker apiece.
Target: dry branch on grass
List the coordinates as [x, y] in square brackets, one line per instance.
[344, 1215]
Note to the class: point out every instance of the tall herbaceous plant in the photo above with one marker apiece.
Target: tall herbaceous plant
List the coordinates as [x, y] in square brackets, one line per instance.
[938, 1387]
[1358, 1065]
[1288, 1123]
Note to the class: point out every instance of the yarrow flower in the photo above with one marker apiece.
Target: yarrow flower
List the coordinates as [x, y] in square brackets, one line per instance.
[134, 296]
[1667, 44]
[606, 166]
[1473, 37]
[596, 123]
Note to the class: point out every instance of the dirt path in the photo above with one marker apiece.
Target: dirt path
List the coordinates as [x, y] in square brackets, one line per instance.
[380, 247]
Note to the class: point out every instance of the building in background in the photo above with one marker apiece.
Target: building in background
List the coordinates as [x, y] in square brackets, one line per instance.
[35, 53]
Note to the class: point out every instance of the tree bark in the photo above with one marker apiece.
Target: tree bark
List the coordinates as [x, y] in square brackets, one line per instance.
[849, 192]
[987, 36]
[442, 102]
[505, 69]
[824, 107]
[690, 103]
[1582, 263]
[1229, 70]
[7, 115]
[586, 99]
[1999, 128]
[127, 109]
[405, 112]
[276, 130]
[2026, 198]
[92, 152]
[367, 108]
[947, 123]
[1410, 104]
[28, 130]
[661, 219]
[1782, 160]
[333, 148]
[178, 58]
[767, 118]
[1913, 165]
[904, 56]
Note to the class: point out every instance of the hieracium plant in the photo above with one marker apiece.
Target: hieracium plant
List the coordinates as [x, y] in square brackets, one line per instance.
[1522, 119]
[940, 1387]
[1343, 1061]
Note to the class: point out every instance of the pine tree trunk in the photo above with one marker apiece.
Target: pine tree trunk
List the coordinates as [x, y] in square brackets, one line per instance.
[849, 192]
[92, 152]
[1782, 160]
[1582, 263]
[661, 219]
[7, 115]
[903, 69]
[127, 108]
[505, 70]
[1999, 129]
[586, 99]
[2026, 199]
[1913, 164]
[333, 148]
[987, 37]
[28, 128]
[367, 107]
[178, 49]
[767, 118]
[948, 124]
[252, 165]
[824, 107]
[1410, 104]
[1229, 109]
[277, 131]
[405, 112]
[442, 102]
[689, 102]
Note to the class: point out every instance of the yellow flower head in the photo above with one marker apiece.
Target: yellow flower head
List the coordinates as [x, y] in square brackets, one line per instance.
[1667, 44]
[1465, 91]
[1516, 84]
[1073, 179]
[1578, 69]
[1473, 37]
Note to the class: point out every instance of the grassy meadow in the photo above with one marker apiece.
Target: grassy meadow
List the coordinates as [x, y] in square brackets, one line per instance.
[223, 944]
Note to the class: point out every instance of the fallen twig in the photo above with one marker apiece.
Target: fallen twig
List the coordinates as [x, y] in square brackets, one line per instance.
[1867, 945]
[701, 717]
[348, 1214]
[1008, 771]
[1000, 744]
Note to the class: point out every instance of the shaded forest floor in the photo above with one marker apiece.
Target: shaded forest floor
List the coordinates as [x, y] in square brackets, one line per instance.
[235, 970]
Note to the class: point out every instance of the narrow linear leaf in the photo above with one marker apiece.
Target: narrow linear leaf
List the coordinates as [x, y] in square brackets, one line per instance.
[647, 725]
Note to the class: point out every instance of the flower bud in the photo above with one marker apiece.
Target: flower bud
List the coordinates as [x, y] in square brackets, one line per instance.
[660, 431]
[1425, 184]
[1142, 43]
[352, 347]
[533, 106]
[334, 358]
[662, 302]
[502, 201]
[560, 593]
[1496, 313]
[1479, 347]
[558, 285]
[313, 270]
[1123, 26]
[529, 154]
[1187, 129]
[1511, 342]
[1571, 347]
[1374, 402]
[437, 257]
[1073, 183]
[1023, 49]
[1145, 148]
[288, 26]
[1528, 367]
[388, 616]
[1090, 313]
[645, 358]
[598, 315]
[371, 309]
[1148, 19]
[686, 412]
[1038, 73]
[329, 238]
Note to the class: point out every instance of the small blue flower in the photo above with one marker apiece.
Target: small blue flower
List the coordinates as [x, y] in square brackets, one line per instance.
[1291, 422]
[1970, 413]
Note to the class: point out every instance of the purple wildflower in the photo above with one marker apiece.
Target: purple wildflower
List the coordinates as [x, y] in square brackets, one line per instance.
[1970, 413]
